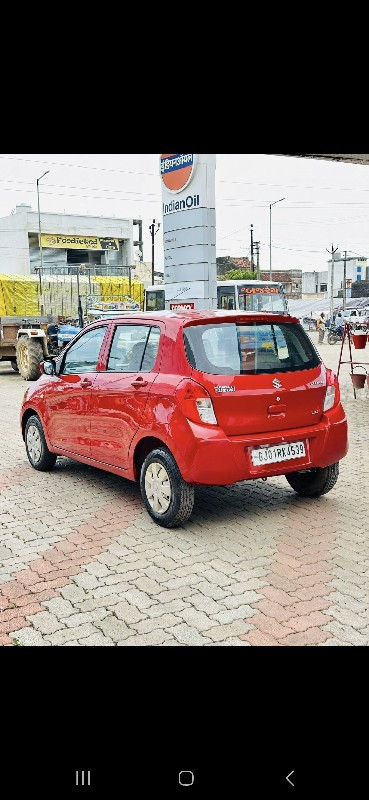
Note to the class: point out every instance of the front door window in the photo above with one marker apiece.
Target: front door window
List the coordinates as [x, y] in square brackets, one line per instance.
[83, 356]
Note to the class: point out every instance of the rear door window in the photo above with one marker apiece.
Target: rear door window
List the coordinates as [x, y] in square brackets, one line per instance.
[233, 349]
[134, 348]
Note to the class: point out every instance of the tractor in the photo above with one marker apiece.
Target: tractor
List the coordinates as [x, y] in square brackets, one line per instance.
[27, 342]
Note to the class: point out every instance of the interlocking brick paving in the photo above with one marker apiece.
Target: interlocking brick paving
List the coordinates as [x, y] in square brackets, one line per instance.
[82, 564]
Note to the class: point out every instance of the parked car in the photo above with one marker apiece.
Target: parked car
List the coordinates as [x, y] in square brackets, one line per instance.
[174, 400]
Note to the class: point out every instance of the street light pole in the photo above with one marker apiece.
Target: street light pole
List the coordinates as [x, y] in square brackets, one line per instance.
[270, 234]
[332, 252]
[39, 235]
[153, 234]
[257, 248]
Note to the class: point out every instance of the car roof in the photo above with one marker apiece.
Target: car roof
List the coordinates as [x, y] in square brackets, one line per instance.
[179, 318]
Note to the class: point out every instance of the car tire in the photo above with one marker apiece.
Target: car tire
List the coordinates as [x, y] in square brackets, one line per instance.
[167, 497]
[29, 357]
[314, 483]
[39, 455]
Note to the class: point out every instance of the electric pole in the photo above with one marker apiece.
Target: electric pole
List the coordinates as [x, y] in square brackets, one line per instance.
[331, 253]
[344, 280]
[153, 234]
[252, 248]
[270, 235]
[40, 239]
[257, 248]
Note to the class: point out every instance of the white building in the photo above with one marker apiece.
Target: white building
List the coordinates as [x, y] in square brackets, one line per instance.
[67, 240]
[315, 282]
[320, 282]
[356, 270]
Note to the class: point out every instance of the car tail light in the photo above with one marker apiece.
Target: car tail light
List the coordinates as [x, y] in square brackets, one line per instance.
[332, 395]
[206, 410]
[196, 403]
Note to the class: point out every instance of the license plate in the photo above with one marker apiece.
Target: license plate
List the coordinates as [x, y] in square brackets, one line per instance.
[277, 453]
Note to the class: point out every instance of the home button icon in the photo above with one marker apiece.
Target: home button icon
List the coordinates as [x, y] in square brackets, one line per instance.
[186, 778]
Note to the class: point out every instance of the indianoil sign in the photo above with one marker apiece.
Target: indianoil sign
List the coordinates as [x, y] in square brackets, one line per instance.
[177, 169]
[188, 191]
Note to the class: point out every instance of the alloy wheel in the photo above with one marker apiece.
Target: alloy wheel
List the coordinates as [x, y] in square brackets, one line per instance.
[34, 444]
[158, 488]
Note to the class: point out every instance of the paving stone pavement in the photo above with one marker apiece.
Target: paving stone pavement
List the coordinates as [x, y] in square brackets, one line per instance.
[82, 564]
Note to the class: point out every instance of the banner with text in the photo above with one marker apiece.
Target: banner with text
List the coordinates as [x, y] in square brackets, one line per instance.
[62, 241]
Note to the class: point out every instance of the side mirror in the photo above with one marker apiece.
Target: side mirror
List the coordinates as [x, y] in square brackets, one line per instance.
[47, 368]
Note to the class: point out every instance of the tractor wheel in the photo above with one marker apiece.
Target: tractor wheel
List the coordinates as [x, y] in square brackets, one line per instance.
[29, 357]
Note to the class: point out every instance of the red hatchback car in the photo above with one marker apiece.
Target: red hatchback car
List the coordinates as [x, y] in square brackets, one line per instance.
[179, 399]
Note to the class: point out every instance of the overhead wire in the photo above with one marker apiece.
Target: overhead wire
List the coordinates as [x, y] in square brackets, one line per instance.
[155, 174]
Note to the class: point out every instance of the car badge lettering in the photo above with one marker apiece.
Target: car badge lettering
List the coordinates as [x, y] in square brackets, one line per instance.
[277, 384]
[224, 389]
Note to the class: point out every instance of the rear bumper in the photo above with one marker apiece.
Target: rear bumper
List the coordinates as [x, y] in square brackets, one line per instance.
[221, 460]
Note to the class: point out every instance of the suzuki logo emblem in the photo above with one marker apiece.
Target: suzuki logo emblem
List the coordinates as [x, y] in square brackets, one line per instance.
[277, 384]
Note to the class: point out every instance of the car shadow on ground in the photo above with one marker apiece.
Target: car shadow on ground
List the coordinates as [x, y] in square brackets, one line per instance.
[226, 503]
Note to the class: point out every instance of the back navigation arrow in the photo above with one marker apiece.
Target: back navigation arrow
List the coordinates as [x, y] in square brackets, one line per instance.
[288, 778]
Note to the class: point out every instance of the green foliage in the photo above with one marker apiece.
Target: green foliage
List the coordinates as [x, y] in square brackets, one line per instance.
[240, 275]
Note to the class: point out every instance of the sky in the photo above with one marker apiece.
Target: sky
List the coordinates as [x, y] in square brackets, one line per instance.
[325, 203]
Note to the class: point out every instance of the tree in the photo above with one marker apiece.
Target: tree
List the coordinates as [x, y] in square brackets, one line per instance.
[227, 263]
[239, 275]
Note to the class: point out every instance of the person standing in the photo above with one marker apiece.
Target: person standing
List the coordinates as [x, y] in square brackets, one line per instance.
[321, 327]
[340, 323]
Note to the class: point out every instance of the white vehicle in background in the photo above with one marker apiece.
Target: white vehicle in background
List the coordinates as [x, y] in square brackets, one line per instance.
[355, 314]
[245, 295]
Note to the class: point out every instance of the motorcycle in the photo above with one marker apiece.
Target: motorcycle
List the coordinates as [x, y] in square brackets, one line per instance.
[335, 335]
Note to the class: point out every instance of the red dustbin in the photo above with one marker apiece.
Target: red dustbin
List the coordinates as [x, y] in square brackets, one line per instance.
[360, 340]
[358, 381]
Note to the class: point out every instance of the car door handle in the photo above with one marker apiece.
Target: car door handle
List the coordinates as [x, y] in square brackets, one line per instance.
[139, 382]
[86, 383]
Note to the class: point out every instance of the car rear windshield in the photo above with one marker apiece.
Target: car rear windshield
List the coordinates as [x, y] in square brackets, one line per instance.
[255, 348]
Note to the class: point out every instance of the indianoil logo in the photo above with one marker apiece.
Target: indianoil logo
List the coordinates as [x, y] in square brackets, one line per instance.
[177, 170]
